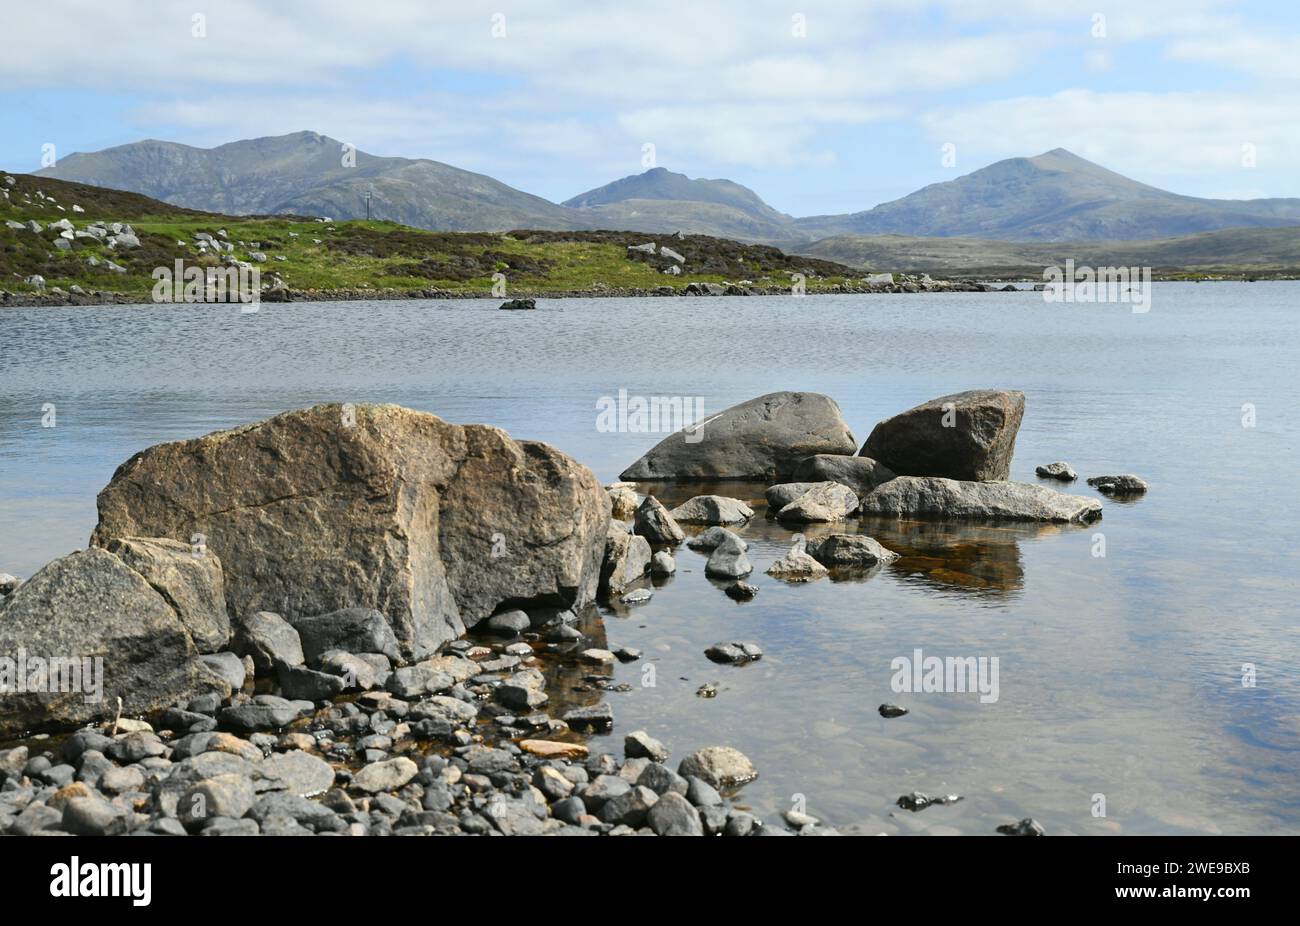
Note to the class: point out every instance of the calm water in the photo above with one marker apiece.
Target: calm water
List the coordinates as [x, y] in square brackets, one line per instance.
[1118, 676]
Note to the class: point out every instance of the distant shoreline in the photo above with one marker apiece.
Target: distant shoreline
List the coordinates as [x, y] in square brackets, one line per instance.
[1025, 285]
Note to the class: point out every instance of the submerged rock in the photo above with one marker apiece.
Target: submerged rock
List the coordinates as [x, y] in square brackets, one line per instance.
[758, 440]
[967, 436]
[995, 501]
[1059, 470]
[712, 509]
[849, 550]
[372, 506]
[1126, 484]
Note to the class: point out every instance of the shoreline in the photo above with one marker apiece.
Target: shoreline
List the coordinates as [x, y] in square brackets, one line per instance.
[706, 290]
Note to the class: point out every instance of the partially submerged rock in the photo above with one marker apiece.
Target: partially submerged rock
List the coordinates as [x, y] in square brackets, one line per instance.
[929, 497]
[851, 550]
[825, 501]
[758, 440]
[376, 506]
[719, 766]
[517, 305]
[709, 539]
[796, 566]
[966, 436]
[1060, 470]
[728, 559]
[1126, 484]
[654, 522]
[712, 509]
[861, 474]
[782, 494]
[626, 559]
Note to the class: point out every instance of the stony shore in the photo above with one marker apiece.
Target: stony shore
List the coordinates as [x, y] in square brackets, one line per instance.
[434, 657]
[905, 285]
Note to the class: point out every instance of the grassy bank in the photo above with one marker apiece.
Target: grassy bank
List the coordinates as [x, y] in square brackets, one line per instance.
[308, 255]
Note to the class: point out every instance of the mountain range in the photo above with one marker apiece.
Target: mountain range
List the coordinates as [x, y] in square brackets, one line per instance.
[1056, 196]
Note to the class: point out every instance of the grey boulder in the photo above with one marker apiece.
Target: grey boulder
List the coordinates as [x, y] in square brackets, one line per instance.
[353, 630]
[967, 436]
[728, 560]
[849, 550]
[861, 474]
[653, 522]
[373, 506]
[712, 509]
[1126, 484]
[269, 639]
[90, 605]
[928, 497]
[825, 501]
[627, 558]
[758, 440]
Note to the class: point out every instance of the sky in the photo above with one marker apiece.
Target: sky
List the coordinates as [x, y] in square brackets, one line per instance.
[820, 107]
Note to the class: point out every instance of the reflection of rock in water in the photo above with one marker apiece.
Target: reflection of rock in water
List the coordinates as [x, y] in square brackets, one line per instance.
[972, 557]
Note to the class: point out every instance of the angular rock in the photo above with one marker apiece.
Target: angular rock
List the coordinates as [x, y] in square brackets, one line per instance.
[849, 550]
[673, 815]
[228, 666]
[353, 630]
[966, 436]
[728, 560]
[653, 522]
[712, 509]
[782, 494]
[758, 440]
[929, 497]
[302, 683]
[796, 566]
[299, 772]
[640, 744]
[269, 639]
[191, 581]
[372, 506]
[662, 564]
[825, 501]
[91, 604]
[622, 500]
[630, 807]
[626, 560]
[861, 474]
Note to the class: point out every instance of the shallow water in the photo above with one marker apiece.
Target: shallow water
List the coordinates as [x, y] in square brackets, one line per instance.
[1118, 675]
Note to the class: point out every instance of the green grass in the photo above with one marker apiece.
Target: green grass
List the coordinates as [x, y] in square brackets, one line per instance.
[373, 255]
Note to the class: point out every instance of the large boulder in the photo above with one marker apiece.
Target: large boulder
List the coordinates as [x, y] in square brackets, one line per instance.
[758, 440]
[861, 474]
[928, 497]
[968, 436]
[353, 630]
[374, 506]
[113, 635]
[191, 580]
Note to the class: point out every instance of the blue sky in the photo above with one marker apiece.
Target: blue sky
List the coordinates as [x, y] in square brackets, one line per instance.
[820, 107]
